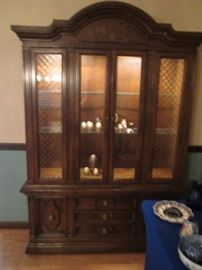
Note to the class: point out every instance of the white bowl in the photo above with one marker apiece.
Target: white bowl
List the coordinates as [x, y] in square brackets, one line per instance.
[193, 246]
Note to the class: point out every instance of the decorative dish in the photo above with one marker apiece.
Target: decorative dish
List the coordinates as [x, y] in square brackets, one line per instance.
[172, 211]
[190, 251]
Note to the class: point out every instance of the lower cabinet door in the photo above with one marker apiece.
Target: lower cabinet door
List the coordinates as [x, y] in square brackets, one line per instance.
[50, 216]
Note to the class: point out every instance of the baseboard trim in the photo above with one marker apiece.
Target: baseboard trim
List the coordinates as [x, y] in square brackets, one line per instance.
[12, 146]
[14, 225]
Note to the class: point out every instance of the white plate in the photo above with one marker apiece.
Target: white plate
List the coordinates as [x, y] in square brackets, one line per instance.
[172, 211]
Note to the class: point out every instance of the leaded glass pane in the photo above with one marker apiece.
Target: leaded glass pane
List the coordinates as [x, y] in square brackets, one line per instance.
[169, 97]
[49, 94]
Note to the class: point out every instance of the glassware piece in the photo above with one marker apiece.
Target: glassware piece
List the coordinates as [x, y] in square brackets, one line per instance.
[189, 227]
[190, 251]
[195, 195]
[169, 98]
[93, 73]
[172, 211]
[49, 94]
[127, 111]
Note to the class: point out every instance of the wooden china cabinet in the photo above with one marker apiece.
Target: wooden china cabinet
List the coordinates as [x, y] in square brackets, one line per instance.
[108, 99]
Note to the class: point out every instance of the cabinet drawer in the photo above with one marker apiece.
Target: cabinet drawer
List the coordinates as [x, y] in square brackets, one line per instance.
[125, 203]
[50, 215]
[107, 230]
[93, 203]
[106, 203]
[104, 216]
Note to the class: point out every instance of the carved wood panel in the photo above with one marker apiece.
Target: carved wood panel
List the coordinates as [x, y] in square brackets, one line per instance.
[112, 30]
[52, 215]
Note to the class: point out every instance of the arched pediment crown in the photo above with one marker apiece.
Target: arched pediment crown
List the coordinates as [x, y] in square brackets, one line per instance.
[110, 22]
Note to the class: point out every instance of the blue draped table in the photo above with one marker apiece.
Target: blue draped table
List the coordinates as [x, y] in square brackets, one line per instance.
[162, 240]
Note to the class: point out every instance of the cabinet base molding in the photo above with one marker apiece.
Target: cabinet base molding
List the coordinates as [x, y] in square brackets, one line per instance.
[86, 247]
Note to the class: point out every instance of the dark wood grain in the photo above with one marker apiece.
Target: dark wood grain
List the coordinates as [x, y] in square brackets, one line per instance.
[69, 215]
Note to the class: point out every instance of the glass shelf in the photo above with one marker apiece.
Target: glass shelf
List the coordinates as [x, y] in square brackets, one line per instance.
[165, 131]
[122, 93]
[127, 93]
[44, 91]
[164, 173]
[92, 93]
[131, 131]
[168, 94]
[51, 130]
[123, 173]
[92, 131]
[90, 176]
[51, 173]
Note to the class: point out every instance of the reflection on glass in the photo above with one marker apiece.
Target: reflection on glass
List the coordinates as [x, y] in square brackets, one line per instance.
[49, 92]
[126, 116]
[169, 97]
[93, 87]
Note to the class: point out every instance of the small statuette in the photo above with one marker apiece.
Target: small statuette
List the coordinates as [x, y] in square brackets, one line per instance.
[92, 161]
[116, 117]
[86, 170]
[189, 227]
[89, 124]
[95, 171]
[120, 127]
[98, 125]
[83, 124]
[129, 130]
[131, 124]
[124, 123]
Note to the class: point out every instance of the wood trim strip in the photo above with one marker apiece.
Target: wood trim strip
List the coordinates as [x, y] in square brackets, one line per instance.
[14, 225]
[12, 146]
[195, 148]
[22, 146]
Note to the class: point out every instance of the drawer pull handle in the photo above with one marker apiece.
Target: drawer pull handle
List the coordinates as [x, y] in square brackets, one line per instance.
[104, 217]
[104, 231]
[105, 203]
[51, 217]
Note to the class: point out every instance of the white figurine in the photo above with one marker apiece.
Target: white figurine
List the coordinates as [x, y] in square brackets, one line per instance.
[86, 170]
[95, 171]
[83, 124]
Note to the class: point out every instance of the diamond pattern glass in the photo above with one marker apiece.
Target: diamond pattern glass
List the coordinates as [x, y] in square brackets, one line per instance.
[169, 97]
[126, 116]
[49, 90]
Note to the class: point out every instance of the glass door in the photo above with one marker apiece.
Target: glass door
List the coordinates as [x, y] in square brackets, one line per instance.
[170, 88]
[48, 84]
[93, 112]
[126, 116]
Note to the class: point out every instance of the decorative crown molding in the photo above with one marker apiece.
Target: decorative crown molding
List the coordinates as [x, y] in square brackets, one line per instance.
[110, 10]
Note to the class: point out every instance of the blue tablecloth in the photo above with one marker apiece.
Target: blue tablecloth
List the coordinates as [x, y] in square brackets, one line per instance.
[162, 240]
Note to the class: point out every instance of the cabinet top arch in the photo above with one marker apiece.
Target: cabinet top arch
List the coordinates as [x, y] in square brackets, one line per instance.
[111, 22]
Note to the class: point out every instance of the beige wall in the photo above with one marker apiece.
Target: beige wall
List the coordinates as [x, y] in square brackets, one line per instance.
[182, 14]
